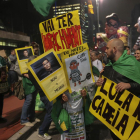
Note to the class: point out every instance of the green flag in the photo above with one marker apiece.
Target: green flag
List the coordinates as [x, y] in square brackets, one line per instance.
[43, 6]
[128, 66]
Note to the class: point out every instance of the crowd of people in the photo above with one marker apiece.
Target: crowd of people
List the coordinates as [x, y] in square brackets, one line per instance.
[115, 63]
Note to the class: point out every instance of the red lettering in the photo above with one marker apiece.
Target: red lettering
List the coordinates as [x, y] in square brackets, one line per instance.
[62, 37]
[68, 38]
[55, 42]
[74, 32]
[45, 40]
[50, 41]
[78, 28]
[81, 138]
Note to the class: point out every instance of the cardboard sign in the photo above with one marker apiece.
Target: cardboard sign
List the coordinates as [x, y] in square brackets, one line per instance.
[77, 66]
[23, 55]
[61, 33]
[120, 112]
[48, 71]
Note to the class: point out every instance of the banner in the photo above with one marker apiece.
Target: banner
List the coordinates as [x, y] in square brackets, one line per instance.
[120, 112]
[61, 33]
[48, 71]
[23, 55]
[77, 66]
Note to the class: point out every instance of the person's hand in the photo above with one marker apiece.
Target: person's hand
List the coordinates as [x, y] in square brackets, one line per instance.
[26, 75]
[122, 86]
[99, 82]
[83, 93]
[64, 98]
[102, 71]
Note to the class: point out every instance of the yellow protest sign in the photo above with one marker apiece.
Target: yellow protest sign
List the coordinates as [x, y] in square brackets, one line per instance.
[77, 66]
[61, 33]
[48, 71]
[120, 112]
[23, 55]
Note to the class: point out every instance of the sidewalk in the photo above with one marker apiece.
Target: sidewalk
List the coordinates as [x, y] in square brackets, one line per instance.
[11, 111]
[12, 130]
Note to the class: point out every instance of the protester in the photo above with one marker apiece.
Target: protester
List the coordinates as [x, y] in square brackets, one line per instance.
[78, 117]
[28, 109]
[43, 129]
[137, 54]
[122, 69]
[3, 79]
[12, 75]
[95, 61]
[35, 48]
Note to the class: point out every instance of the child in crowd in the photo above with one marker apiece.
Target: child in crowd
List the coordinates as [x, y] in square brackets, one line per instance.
[79, 116]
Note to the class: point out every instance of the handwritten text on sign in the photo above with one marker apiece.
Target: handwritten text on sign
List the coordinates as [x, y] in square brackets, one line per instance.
[120, 112]
[62, 32]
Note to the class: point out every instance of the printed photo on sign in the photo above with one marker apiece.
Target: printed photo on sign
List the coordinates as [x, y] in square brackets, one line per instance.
[78, 69]
[24, 54]
[45, 66]
[48, 72]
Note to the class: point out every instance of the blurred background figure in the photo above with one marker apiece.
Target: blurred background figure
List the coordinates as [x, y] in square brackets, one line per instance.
[35, 48]
[128, 50]
[95, 61]
[137, 54]
[12, 75]
[137, 44]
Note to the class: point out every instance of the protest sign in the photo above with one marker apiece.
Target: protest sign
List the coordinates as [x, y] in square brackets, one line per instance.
[48, 71]
[77, 66]
[120, 112]
[23, 55]
[62, 32]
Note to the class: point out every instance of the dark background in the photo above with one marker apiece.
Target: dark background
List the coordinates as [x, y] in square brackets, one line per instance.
[38, 66]
[20, 53]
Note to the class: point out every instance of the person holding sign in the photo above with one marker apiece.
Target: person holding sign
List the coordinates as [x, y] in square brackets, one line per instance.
[122, 69]
[28, 109]
[78, 117]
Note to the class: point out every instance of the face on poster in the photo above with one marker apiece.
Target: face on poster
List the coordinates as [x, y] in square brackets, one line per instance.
[78, 68]
[23, 55]
[61, 33]
[48, 71]
[45, 66]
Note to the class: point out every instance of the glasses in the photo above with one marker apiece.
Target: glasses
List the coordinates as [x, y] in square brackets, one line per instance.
[115, 25]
